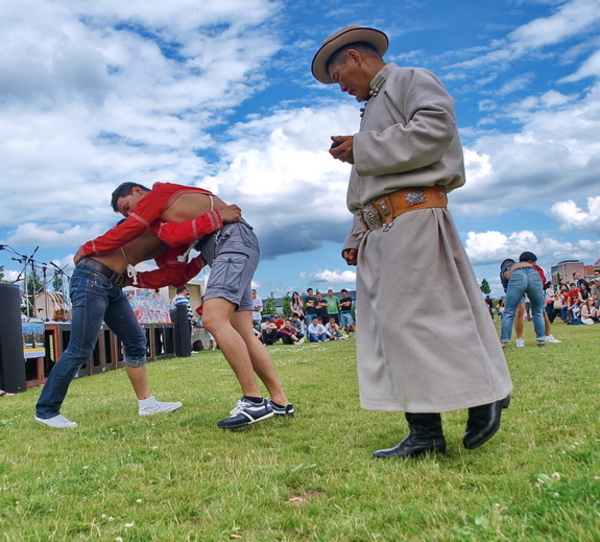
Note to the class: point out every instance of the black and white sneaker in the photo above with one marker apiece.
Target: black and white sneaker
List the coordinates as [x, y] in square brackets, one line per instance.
[287, 410]
[247, 412]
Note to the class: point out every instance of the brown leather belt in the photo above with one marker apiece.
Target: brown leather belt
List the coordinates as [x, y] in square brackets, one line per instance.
[115, 278]
[383, 210]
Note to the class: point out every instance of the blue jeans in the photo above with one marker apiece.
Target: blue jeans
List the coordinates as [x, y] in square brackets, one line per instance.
[564, 312]
[525, 280]
[94, 298]
[314, 338]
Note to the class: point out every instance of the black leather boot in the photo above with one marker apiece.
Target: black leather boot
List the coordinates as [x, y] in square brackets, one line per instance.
[483, 423]
[426, 435]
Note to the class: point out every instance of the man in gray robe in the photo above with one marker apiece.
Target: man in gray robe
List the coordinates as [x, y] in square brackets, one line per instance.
[414, 356]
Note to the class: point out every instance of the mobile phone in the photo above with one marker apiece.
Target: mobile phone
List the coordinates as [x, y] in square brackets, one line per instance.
[335, 144]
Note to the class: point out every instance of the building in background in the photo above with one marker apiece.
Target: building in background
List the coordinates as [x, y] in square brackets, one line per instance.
[562, 272]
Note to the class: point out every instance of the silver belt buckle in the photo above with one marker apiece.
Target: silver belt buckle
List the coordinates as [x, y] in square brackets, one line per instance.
[371, 216]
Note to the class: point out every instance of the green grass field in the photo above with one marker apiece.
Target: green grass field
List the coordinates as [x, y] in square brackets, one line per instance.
[119, 477]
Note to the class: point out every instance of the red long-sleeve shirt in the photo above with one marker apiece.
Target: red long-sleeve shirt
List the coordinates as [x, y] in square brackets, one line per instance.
[147, 211]
[170, 272]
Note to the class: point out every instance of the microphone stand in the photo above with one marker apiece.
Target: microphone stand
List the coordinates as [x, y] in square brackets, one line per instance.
[65, 283]
[27, 261]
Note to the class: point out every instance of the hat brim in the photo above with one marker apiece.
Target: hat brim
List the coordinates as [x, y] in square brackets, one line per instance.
[369, 35]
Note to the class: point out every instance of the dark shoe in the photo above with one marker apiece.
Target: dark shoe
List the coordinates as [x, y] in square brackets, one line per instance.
[483, 423]
[284, 412]
[425, 436]
[245, 413]
[413, 447]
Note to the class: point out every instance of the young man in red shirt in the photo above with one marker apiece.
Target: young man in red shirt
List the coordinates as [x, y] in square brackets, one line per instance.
[179, 215]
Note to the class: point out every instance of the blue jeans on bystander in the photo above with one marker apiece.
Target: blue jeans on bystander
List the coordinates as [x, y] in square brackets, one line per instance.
[94, 299]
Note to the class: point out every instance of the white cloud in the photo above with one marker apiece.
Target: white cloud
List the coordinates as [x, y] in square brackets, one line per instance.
[112, 91]
[327, 276]
[571, 18]
[51, 235]
[494, 246]
[280, 173]
[556, 150]
[490, 247]
[589, 68]
[569, 215]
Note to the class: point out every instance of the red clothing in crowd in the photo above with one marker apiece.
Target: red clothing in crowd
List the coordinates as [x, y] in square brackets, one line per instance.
[572, 295]
[285, 331]
[147, 211]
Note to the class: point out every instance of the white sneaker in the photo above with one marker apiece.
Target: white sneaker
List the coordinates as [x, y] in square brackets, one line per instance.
[551, 339]
[58, 422]
[159, 408]
[520, 343]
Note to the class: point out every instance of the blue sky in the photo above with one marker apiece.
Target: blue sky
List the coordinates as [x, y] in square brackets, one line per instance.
[220, 95]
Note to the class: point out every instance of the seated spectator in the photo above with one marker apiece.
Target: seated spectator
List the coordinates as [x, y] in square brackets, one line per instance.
[584, 290]
[595, 291]
[270, 331]
[278, 321]
[589, 313]
[289, 334]
[334, 330]
[563, 304]
[570, 297]
[297, 322]
[258, 334]
[554, 300]
[316, 331]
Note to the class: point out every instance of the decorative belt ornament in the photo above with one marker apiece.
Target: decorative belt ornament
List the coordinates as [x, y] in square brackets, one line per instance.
[415, 197]
[371, 216]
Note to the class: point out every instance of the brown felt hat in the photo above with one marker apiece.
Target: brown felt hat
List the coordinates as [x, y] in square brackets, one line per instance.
[350, 34]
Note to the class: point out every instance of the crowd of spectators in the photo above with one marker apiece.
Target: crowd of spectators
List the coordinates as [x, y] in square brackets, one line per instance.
[315, 317]
[575, 303]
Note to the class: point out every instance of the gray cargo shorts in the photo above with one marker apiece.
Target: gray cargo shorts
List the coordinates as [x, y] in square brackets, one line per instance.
[233, 255]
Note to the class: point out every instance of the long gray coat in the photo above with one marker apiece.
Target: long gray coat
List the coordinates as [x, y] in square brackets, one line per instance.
[425, 340]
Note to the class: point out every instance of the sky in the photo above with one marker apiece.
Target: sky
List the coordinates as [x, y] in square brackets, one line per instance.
[219, 94]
